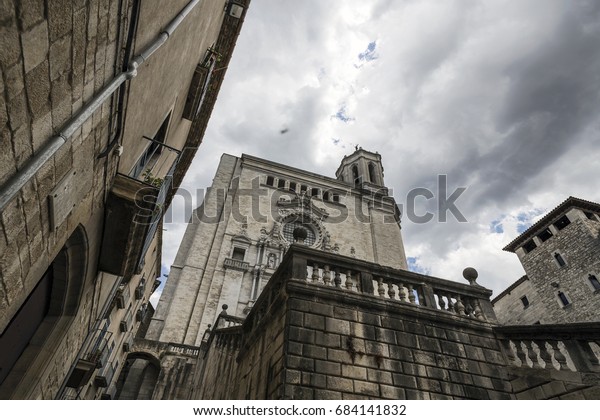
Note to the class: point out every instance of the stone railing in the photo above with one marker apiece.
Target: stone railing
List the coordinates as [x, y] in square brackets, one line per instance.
[392, 286]
[236, 264]
[574, 347]
[400, 286]
[183, 350]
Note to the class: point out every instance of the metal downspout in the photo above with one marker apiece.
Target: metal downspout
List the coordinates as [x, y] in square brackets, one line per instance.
[18, 180]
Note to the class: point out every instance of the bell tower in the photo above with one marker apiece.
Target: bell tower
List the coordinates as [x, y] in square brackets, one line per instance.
[362, 169]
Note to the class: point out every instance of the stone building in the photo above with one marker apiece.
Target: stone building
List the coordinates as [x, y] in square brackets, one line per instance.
[294, 285]
[102, 106]
[560, 255]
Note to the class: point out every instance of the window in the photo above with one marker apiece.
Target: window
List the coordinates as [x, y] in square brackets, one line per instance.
[24, 324]
[326, 196]
[545, 235]
[336, 198]
[314, 192]
[293, 186]
[270, 181]
[288, 232]
[303, 188]
[149, 157]
[594, 282]
[238, 254]
[559, 259]
[372, 173]
[561, 223]
[355, 175]
[563, 299]
[529, 246]
[281, 183]
[525, 301]
[590, 215]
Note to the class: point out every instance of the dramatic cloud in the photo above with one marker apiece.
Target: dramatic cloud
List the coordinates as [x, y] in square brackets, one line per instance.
[501, 96]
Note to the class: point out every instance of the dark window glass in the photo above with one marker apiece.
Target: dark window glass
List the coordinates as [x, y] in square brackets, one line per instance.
[561, 223]
[529, 246]
[326, 196]
[594, 282]
[293, 186]
[270, 181]
[545, 235]
[372, 173]
[525, 301]
[238, 254]
[281, 183]
[563, 298]
[559, 259]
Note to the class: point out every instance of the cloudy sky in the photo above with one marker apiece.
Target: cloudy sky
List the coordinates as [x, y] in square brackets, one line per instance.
[503, 97]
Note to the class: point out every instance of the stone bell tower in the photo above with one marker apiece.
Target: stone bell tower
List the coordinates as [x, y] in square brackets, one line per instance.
[362, 169]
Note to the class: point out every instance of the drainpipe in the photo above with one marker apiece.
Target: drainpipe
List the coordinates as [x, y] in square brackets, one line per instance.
[17, 181]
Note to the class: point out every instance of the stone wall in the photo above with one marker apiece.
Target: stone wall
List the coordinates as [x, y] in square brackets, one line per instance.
[509, 307]
[309, 341]
[341, 347]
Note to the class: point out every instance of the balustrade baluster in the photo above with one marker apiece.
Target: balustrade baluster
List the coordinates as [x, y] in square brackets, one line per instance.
[558, 355]
[478, 311]
[411, 294]
[544, 354]
[326, 275]
[450, 303]
[337, 280]
[459, 307]
[468, 308]
[401, 293]
[315, 273]
[532, 354]
[520, 353]
[349, 283]
[391, 291]
[441, 301]
[380, 287]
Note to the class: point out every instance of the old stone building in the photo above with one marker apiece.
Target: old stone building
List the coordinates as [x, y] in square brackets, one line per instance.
[560, 255]
[294, 285]
[102, 106]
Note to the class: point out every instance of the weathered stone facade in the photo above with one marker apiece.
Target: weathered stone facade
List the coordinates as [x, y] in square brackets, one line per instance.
[81, 108]
[247, 208]
[560, 256]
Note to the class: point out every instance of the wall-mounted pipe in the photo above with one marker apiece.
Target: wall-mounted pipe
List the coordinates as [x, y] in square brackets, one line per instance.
[11, 187]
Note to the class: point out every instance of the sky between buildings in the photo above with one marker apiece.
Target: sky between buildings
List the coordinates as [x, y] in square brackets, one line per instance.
[503, 97]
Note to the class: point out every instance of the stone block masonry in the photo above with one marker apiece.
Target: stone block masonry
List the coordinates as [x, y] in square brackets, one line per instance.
[367, 351]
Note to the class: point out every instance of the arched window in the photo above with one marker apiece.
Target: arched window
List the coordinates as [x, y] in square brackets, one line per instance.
[355, 176]
[372, 174]
[48, 312]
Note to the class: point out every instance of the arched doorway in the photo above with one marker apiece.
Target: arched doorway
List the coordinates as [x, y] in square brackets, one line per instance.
[138, 377]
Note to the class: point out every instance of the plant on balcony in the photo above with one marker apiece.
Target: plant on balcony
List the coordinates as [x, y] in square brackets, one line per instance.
[149, 178]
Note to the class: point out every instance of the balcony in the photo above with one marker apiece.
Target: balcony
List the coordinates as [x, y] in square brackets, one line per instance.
[133, 213]
[236, 264]
[95, 356]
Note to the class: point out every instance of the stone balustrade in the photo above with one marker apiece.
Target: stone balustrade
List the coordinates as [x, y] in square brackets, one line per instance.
[236, 264]
[356, 277]
[574, 347]
[396, 285]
